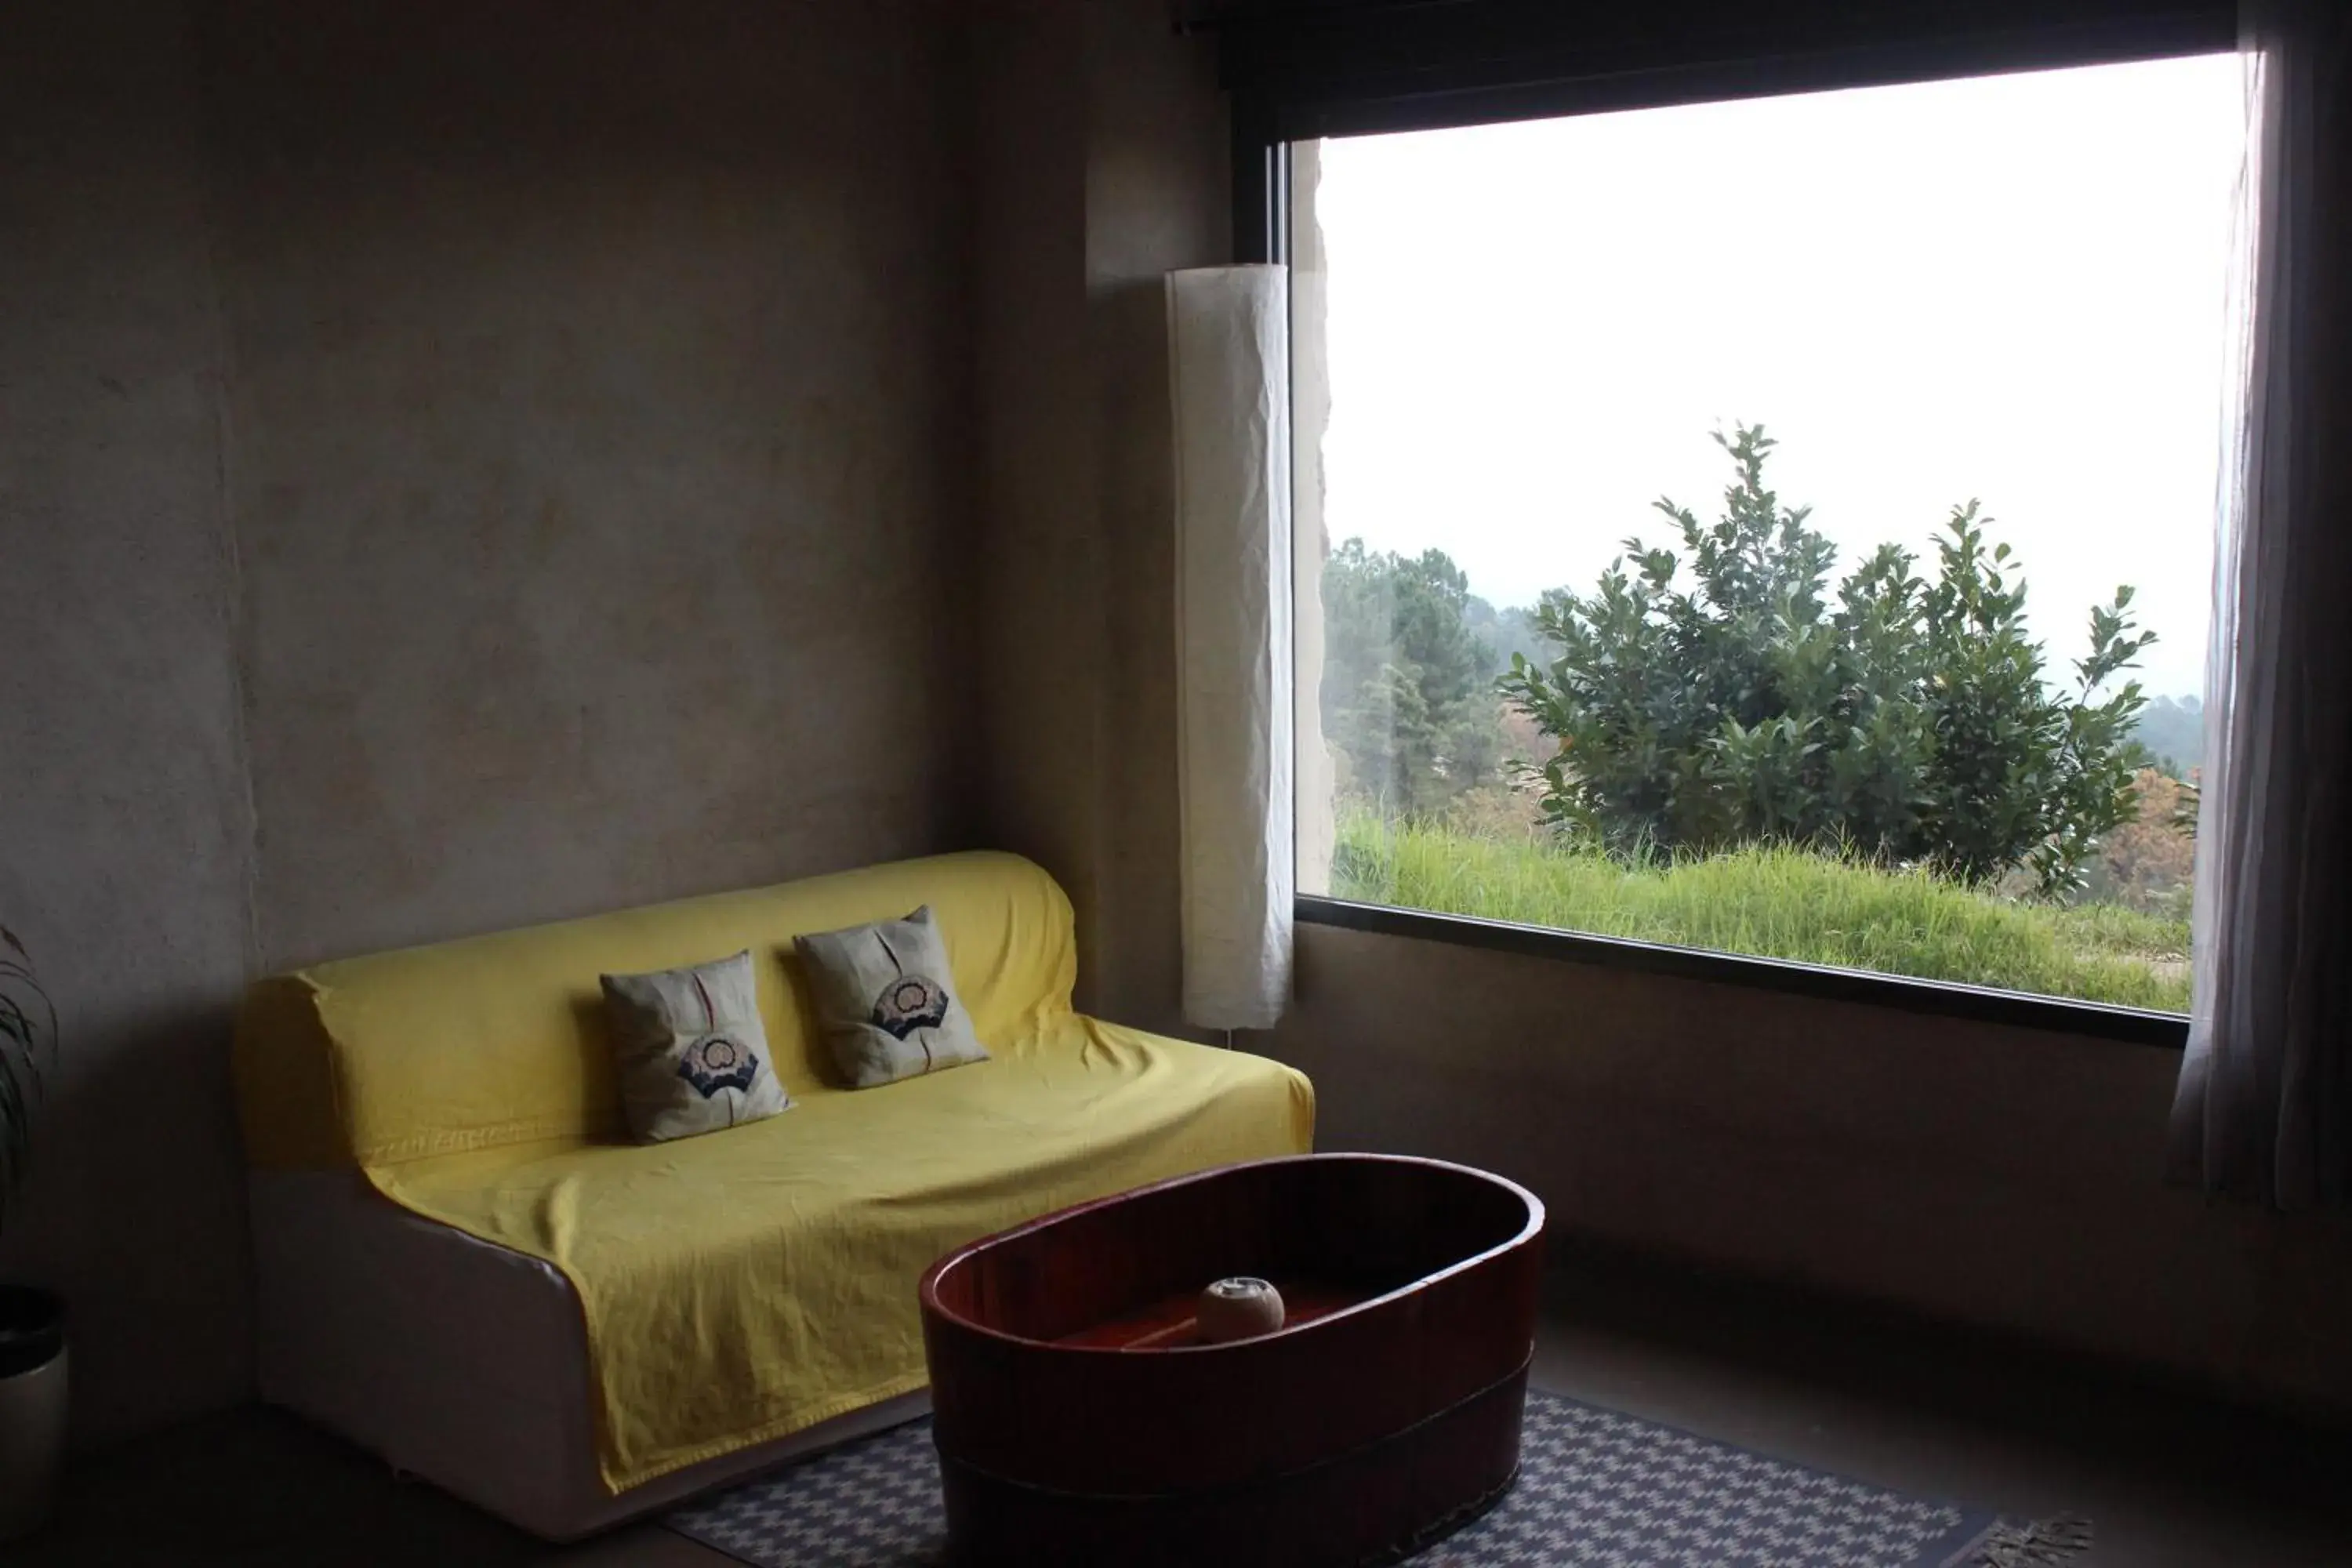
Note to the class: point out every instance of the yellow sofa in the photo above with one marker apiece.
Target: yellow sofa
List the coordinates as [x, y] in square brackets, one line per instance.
[465, 1265]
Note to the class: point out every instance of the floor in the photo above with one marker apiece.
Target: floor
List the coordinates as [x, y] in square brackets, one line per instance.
[2171, 1482]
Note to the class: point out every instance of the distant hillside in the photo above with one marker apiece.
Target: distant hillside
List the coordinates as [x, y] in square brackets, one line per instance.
[2173, 728]
[1504, 632]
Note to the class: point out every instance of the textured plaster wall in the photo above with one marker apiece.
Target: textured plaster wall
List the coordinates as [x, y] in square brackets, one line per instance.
[1045, 633]
[126, 843]
[2003, 1176]
[1158, 198]
[1102, 164]
[459, 465]
[596, 465]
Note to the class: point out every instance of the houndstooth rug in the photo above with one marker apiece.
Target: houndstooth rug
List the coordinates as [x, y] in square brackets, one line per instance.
[1596, 1490]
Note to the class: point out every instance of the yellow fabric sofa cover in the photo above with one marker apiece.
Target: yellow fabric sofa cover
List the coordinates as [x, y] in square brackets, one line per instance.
[743, 1285]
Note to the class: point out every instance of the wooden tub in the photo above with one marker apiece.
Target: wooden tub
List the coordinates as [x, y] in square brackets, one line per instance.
[1079, 1421]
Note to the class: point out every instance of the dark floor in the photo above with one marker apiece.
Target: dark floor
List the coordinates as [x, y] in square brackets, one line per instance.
[2170, 1481]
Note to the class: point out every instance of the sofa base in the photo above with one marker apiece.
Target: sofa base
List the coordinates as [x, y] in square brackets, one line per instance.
[459, 1362]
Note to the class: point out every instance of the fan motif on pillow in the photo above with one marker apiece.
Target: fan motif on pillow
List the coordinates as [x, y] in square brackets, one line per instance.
[715, 1062]
[909, 1003]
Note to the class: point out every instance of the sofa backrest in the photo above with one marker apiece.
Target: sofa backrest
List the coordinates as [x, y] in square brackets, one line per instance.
[499, 1039]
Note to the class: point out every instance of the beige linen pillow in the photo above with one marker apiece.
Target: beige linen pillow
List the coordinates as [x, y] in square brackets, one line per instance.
[886, 1001]
[692, 1052]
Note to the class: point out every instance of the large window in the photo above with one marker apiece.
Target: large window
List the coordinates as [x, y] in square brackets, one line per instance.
[1780, 527]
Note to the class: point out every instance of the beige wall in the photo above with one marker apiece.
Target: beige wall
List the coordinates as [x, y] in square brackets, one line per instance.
[2004, 1176]
[462, 466]
[1041, 577]
[1158, 198]
[126, 841]
[598, 376]
[1102, 166]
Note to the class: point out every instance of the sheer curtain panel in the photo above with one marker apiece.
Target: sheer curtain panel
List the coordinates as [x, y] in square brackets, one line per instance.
[2265, 1105]
[1229, 365]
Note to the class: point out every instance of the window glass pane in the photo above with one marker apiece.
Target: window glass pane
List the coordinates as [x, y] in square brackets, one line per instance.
[1780, 527]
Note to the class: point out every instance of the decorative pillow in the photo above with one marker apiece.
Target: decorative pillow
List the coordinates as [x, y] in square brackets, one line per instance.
[885, 999]
[692, 1052]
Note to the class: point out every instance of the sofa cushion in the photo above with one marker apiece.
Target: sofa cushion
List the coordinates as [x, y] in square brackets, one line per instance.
[885, 999]
[691, 1052]
[738, 1289]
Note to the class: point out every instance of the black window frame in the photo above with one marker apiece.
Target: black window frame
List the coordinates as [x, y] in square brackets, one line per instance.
[1303, 69]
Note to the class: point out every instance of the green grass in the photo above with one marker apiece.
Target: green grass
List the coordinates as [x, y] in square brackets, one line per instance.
[1775, 902]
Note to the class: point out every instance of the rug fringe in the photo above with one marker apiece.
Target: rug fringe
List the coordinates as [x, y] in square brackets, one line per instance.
[2034, 1544]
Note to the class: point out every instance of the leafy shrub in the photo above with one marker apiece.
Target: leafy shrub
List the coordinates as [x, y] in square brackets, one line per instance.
[1909, 722]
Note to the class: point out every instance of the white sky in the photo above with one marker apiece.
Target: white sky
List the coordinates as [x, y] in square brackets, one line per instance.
[2009, 288]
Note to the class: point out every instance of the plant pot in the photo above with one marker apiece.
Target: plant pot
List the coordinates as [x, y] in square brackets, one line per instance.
[32, 1406]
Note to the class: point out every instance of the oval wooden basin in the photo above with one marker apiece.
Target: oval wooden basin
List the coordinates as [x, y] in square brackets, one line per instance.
[1080, 1420]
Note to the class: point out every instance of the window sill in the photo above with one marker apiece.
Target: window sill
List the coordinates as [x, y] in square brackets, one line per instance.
[1940, 998]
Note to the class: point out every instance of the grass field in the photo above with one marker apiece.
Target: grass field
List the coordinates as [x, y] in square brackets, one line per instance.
[1776, 903]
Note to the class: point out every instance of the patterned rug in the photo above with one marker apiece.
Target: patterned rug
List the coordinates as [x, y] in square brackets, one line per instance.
[1596, 1490]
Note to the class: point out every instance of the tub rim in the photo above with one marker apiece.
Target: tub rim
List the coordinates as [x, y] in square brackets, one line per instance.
[929, 1298]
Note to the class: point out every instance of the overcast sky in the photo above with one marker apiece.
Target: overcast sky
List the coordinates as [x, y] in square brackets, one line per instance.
[2009, 288]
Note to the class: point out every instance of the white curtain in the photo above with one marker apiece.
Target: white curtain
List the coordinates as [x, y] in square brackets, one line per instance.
[2265, 1105]
[1228, 355]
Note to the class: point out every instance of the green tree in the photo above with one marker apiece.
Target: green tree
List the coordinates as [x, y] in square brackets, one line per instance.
[1908, 719]
[1408, 694]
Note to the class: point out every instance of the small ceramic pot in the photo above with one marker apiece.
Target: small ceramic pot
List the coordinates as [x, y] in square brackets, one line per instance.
[1239, 1309]
[32, 1406]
